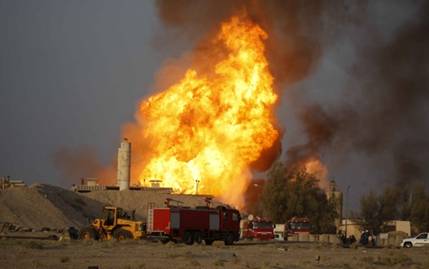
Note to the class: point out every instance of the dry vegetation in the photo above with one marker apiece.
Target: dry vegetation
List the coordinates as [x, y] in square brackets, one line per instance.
[253, 255]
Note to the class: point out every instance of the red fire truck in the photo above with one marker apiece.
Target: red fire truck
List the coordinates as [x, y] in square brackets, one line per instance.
[257, 229]
[298, 225]
[189, 225]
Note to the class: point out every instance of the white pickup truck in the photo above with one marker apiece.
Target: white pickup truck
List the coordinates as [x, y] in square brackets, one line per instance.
[418, 241]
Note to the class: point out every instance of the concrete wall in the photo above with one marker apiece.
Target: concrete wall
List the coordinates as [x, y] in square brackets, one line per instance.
[323, 238]
[400, 226]
[352, 227]
[390, 239]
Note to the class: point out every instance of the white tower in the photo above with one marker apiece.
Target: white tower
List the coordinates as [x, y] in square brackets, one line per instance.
[124, 165]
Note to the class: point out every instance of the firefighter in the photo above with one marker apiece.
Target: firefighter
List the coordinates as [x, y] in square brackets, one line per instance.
[364, 238]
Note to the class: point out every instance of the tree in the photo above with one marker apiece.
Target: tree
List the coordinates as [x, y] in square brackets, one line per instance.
[419, 209]
[396, 203]
[274, 196]
[370, 212]
[290, 193]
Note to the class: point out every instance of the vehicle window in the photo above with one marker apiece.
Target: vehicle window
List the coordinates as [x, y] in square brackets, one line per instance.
[299, 226]
[263, 225]
[234, 217]
[120, 212]
[109, 217]
[422, 236]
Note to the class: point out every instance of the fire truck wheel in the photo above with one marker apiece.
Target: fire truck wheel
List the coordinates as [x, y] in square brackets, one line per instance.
[189, 238]
[121, 234]
[165, 240]
[197, 238]
[88, 233]
[208, 242]
[229, 239]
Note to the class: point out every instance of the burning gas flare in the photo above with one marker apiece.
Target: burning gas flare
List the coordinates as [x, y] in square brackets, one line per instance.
[315, 167]
[210, 126]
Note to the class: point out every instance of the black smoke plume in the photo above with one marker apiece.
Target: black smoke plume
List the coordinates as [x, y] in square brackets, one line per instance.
[380, 112]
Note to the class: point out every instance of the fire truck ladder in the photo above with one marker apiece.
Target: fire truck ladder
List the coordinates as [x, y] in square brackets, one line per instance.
[169, 200]
[149, 222]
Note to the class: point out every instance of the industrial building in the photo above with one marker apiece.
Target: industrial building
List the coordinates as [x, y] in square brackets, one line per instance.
[6, 182]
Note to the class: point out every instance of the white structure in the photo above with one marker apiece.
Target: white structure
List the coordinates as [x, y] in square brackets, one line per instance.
[280, 232]
[124, 165]
[398, 226]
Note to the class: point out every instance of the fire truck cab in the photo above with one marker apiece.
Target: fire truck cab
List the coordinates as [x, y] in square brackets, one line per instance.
[257, 229]
[294, 227]
[298, 225]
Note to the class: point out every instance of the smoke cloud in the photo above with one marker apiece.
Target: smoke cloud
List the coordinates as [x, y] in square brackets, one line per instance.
[357, 75]
[81, 162]
[294, 28]
[387, 113]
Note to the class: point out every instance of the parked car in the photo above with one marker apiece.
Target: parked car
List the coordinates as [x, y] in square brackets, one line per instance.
[418, 241]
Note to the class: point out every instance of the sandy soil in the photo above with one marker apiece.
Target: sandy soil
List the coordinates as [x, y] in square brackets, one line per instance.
[145, 254]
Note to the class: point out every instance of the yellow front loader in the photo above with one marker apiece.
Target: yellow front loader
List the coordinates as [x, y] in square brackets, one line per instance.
[115, 223]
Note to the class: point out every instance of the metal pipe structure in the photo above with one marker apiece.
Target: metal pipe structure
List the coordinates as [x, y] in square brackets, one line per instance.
[346, 208]
[124, 165]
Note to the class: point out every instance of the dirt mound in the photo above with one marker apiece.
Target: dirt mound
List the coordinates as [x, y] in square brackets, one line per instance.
[140, 201]
[49, 206]
[42, 205]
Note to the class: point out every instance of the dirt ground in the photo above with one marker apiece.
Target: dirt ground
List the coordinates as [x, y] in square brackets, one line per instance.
[145, 254]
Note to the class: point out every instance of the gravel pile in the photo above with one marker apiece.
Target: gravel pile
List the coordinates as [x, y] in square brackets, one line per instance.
[40, 206]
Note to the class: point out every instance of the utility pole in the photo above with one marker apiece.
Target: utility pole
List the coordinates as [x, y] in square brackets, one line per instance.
[346, 208]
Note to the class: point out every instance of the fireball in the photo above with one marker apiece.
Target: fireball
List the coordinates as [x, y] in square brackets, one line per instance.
[204, 131]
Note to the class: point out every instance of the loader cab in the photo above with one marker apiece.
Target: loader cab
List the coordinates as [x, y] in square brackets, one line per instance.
[110, 215]
[114, 223]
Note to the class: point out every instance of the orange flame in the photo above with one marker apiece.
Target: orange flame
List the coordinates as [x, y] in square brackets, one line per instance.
[319, 170]
[212, 124]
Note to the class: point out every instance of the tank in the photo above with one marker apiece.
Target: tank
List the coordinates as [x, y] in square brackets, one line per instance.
[124, 165]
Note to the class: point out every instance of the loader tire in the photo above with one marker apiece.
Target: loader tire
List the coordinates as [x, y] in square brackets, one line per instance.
[88, 233]
[121, 234]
